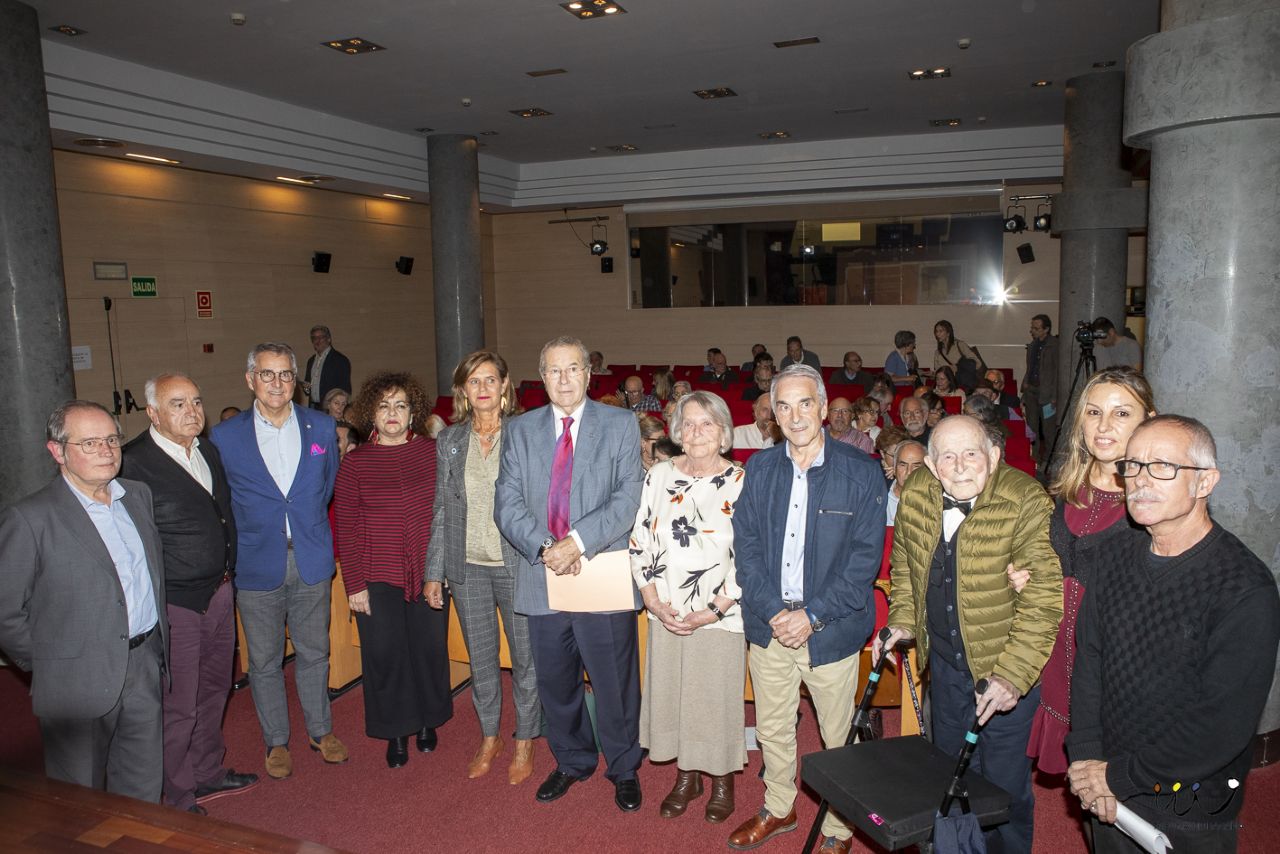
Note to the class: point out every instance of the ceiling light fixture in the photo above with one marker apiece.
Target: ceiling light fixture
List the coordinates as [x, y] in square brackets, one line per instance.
[99, 142]
[797, 42]
[717, 92]
[589, 9]
[530, 113]
[775, 134]
[68, 30]
[488, 133]
[353, 45]
[153, 159]
[546, 72]
[1043, 219]
[397, 196]
[1040, 84]
[1015, 223]
[623, 147]
[315, 179]
[288, 180]
[949, 123]
[928, 73]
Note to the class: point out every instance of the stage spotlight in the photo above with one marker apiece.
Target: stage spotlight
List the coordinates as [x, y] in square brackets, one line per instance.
[1015, 222]
[598, 247]
[599, 239]
[1043, 219]
[808, 250]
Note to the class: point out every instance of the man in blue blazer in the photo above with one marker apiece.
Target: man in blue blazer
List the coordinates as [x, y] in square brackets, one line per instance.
[281, 462]
[569, 488]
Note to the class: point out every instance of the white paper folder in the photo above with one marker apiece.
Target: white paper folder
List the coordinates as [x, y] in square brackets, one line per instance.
[604, 584]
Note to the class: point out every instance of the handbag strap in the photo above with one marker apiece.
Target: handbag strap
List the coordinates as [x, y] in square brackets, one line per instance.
[911, 684]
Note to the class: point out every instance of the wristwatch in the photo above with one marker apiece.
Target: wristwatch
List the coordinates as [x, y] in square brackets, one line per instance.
[546, 544]
[817, 624]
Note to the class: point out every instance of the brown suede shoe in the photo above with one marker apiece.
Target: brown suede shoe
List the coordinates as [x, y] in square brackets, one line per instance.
[521, 762]
[688, 788]
[485, 754]
[831, 845]
[720, 804]
[760, 828]
[279, 762]
[330, 749]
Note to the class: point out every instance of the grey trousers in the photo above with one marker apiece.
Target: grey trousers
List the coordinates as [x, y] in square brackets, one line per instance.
[122, 751]
[304, 608]
[486, 591]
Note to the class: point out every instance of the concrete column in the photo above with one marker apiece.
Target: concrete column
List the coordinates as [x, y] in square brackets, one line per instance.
[35, 345]
[1092, 214]
[1203, 97]
[454, 177]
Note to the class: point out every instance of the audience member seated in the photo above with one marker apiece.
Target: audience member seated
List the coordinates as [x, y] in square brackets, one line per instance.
[840, 426]
[598, 367]
[980, 407]
[348, 438]
[901, 364]
[944, 383]
[936, 408]
[664, 449]
[798, 355]
[762, 433]
[907, 457]
[866, 411]
[882, 390]
[763, 376]
[679, 389]
[886, 443]
[996, 378]
[749, 365]
[765, 358]
[651, 430]
[662, 384]
[228, 412]
[914, 414]
[1115, 348]
[636, 399]
[719, 370]
[335, 402]
[852, 374]
[965, 362]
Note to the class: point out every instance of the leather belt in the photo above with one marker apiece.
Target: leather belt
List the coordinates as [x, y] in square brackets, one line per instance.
[138, 640]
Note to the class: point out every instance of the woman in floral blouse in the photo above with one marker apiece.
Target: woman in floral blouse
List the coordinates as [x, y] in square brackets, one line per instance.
[682, 559]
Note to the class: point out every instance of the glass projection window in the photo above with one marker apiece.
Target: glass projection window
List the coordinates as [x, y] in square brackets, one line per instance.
[907, 260]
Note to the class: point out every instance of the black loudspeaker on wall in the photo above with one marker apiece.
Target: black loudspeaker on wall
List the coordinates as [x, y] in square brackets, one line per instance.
[1025, 253]
[320, 262]
[606, 265]
[405, 265]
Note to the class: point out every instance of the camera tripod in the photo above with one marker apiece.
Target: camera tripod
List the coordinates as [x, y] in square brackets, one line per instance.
[1088, 365]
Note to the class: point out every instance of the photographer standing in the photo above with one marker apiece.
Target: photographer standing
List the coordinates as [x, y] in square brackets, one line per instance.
[1040, 386]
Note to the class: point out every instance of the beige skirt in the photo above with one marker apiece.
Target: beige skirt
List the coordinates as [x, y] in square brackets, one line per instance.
[692, 707]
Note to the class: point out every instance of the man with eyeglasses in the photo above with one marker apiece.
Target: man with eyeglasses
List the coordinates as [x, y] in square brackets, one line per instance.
[326, 370]
[82, 606]
[1176, 649]
[840, 426]
[282, 461]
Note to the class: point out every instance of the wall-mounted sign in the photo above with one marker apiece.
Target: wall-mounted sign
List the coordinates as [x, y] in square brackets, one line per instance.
[110, 271]
[82, 358]
[204, 303]
[144, 286]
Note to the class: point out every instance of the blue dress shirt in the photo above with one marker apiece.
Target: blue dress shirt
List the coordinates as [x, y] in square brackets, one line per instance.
[124, 544]
[797, 522]
[281, 449]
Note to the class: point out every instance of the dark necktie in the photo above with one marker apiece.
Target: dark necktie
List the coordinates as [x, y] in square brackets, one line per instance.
[561, 477]
[963, 506]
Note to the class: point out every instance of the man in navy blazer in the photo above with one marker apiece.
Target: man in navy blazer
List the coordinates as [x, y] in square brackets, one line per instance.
[604, 495]
[281, 462]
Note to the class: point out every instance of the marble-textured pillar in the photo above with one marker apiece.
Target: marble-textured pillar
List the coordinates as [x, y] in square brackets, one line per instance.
[35, 344]
[453, 173]
[1203, 97]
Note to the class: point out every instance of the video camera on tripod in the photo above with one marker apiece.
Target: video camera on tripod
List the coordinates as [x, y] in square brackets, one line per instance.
[1086, 335]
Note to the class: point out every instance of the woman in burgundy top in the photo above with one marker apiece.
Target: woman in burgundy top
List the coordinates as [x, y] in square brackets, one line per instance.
[382, 505]
[1089, 499]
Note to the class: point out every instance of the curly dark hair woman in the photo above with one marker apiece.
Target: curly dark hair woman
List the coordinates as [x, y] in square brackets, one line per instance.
[375, 388]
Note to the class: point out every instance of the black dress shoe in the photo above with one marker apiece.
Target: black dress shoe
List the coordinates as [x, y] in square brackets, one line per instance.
[397, 751]
[230, 784]
[426, 739]
[556, 784]
[626, 794]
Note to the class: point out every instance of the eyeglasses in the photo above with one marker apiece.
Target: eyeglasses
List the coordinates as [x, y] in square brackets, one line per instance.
[269, 376]
[92, 446]
[1158, 469]
[572, 372]
[844, 409]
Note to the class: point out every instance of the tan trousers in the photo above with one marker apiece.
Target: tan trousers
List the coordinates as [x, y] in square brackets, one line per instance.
[776, 674]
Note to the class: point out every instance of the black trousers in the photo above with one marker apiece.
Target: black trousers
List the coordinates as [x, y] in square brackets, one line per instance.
[404, 652]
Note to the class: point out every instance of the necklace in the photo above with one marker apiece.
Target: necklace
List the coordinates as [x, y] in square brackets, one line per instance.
[487, 435]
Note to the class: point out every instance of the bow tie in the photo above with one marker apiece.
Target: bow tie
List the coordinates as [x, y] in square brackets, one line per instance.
[950, 504]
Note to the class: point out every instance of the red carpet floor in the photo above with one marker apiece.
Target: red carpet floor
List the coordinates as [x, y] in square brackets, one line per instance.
[429, 805]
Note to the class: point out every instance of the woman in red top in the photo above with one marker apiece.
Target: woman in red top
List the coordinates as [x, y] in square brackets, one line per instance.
[1088, 499]
[382, 506]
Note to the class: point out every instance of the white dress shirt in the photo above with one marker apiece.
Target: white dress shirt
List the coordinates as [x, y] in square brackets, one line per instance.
[576, 415]
[192, 462]
[796, 527]
[281, 450]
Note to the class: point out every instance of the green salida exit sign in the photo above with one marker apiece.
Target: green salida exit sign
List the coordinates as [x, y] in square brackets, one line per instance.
[144, 286]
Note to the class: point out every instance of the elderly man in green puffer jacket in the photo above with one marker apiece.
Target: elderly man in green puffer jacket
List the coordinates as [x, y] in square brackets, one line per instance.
[961, 523]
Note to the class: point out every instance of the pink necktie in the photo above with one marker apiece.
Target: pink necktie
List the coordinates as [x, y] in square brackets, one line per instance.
[561, 477]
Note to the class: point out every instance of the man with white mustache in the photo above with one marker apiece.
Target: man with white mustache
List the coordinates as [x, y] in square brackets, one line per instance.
[1177, 641]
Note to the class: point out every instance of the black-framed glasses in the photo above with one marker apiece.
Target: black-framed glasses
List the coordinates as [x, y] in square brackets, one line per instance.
[92, 446]
[269, 376]
[1158, 469]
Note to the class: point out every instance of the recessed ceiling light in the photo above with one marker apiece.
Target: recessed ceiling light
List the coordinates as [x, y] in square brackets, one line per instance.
[353, 45]
[949, 123]
[1040, 84]
[315, 179]
[587, 10]
[68, 30]
[423, 130]
[153, 159]
[99, 142]
[1105, 63]
[718, 92]
[546, 72]
[796, 42]
[530, 113]
[928, 73]
[288, 180]
[844, 111]
[488, 133]
[659, 127]
[624, 147]
[775, 134]
[397, 196]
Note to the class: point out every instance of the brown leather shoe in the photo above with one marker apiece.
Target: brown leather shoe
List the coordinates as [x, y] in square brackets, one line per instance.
[688, 788]
[330, 749]
[279, 762]
[485, 754]
[521, 762]
[760, 828]
[831, 845]
[720, 804]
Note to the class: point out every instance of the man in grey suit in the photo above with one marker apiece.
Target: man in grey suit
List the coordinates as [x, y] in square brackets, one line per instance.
[568, 488]
[82, 606]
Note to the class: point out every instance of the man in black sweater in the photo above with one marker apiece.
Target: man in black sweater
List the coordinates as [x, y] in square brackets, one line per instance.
[1176, 649]
[192, 505]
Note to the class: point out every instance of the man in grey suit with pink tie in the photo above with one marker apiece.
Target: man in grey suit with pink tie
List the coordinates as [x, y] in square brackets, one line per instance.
[568, 489]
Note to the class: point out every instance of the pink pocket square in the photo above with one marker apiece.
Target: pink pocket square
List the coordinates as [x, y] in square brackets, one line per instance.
[317, 449]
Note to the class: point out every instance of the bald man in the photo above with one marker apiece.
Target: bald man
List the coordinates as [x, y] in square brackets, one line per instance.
[840, 426]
